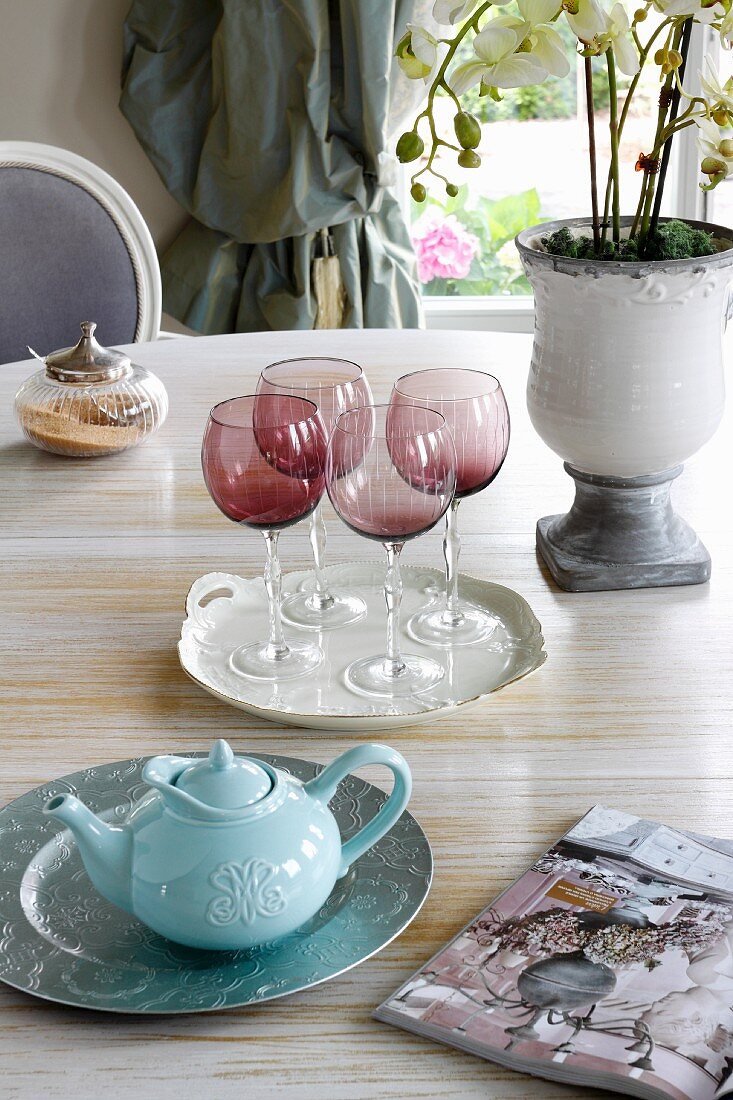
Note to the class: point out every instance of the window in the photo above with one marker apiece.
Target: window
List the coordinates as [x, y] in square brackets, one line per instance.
[534, 168]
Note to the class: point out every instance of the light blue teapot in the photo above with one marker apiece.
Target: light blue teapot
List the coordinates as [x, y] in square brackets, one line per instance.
[228, 852]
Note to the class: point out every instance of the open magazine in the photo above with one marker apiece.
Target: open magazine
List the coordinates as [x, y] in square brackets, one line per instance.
[609, 964]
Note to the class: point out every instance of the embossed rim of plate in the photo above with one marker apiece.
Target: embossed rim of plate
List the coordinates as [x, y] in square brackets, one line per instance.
[369, 722]
[31, 802]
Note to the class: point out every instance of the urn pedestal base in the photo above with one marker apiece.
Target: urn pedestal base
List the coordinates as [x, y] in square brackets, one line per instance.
[621, 533]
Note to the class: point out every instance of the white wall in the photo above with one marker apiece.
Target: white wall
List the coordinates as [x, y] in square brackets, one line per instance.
[60, 63]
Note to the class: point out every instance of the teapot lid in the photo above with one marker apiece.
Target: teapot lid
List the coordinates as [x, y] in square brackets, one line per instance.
[88, 361]
[225, 781]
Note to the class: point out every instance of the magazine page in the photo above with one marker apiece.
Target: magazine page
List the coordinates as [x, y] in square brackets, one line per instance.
[609, 963]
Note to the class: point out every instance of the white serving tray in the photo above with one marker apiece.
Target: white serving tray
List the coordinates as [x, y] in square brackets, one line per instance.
[225, 611]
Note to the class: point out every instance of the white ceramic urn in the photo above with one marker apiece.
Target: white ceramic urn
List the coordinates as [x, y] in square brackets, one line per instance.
[626, 376]
[626, 383]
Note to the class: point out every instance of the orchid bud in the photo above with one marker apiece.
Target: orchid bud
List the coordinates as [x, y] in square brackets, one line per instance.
[411, 66]
[409, 147]
[418, 192]
[668, 60]
[720, 116]
[468, 130]
[711, 166]
[451, 190]
[640, 15]
[469, 159]
[726, 148]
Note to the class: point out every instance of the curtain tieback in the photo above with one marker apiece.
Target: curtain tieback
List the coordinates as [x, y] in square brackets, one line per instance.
[327, 282]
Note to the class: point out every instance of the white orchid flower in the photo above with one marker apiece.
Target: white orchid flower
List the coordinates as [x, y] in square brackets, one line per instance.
[716, 151]
[537, 12]
[617, 35]
[709, 13]
[586, 18]
[703, 13]
[417, 53]
[717, 94]
[548, 49]
[453, 11]
[726, 30]
[498, 64]
[539, 37]
[710, 138]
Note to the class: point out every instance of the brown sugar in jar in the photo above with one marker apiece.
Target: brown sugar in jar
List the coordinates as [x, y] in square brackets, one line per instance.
[90, 401]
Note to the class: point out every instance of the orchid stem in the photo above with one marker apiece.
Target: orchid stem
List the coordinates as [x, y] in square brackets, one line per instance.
[592, 153]
[674, 108]
[440, 82]
[643, 55]
[613, 96]
[665, 100]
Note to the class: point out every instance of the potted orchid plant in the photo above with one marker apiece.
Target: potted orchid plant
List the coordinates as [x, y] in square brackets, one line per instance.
[626, 379]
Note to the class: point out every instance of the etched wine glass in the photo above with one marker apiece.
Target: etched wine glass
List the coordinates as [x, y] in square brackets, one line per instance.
[476, 413]
[390, 475]
[334, 385]
[263, 458]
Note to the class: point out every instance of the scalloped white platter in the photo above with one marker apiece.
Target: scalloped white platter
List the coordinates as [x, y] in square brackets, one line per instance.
[224, 611]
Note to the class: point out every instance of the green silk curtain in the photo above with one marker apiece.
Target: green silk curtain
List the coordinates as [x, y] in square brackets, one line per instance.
[268, 120]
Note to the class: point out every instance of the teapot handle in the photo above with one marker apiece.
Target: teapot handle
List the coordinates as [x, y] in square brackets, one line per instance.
[323, 787]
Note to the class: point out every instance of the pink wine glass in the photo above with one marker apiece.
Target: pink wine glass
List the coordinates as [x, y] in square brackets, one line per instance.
[476, 413]
[390, 475]
[263, 459]
[334, 385]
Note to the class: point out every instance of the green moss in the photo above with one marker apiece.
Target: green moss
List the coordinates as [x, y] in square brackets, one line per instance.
[676, 240]
[673, 240]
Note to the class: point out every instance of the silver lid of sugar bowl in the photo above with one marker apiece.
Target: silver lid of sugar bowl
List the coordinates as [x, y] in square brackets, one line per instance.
[87, 361]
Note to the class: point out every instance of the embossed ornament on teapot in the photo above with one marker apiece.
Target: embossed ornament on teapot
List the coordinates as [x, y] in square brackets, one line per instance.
[227, 852]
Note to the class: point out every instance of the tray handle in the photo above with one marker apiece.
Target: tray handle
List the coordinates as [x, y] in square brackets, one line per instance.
[206, 590]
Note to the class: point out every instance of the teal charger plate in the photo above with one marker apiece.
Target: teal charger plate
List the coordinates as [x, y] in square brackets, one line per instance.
[61, 941]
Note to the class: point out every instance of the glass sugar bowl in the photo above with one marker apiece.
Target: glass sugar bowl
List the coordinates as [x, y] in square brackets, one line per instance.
[90, 401]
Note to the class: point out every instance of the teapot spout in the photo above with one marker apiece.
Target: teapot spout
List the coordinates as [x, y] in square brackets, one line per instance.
[105, 849]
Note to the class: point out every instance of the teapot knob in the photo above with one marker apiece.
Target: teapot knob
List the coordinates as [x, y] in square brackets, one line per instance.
[221, 755]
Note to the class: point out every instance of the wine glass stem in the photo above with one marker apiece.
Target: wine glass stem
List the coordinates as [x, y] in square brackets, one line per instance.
[276, 647]
[321, 599]
[452, 615]
[393, 663]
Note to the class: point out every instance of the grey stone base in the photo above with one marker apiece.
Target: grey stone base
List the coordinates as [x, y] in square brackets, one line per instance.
[621, 533]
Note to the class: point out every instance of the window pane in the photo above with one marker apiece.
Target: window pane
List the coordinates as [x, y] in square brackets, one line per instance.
[534, 167]
[720, 204]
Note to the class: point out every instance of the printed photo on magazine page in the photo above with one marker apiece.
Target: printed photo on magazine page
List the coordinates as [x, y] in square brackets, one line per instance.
[608, 963]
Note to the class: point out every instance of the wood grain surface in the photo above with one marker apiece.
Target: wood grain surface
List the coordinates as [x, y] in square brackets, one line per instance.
[633, 708]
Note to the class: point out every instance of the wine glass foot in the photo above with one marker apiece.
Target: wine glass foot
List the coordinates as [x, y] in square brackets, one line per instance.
[437, 627]
[302, 610]
[374, 676]
[256, 661]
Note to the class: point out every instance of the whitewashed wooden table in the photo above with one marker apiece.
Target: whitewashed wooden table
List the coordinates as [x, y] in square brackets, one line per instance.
[633, 708]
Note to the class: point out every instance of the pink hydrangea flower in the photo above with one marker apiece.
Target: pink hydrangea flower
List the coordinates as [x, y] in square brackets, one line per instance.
[444, 248]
